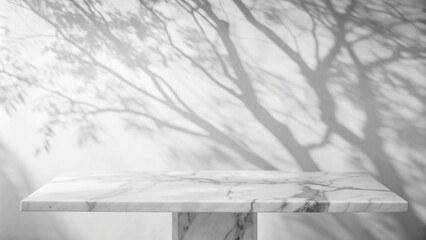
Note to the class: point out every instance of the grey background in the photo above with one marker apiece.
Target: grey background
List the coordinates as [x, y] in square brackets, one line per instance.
[155, 85]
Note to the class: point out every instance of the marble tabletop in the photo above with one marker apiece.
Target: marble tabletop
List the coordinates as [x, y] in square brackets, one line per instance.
[214, 191]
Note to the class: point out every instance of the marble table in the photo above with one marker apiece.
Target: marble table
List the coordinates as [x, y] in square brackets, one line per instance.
[213, 205]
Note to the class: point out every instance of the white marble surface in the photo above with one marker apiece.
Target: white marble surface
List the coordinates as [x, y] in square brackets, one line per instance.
[214, 226]
[214, 191]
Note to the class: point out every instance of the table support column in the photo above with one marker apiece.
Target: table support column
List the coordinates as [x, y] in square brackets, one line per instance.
[214, 226]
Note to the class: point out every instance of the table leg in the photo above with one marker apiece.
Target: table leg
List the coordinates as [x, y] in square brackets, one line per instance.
[214, 226]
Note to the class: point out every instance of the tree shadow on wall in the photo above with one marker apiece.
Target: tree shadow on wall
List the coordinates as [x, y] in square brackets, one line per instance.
[261, 81]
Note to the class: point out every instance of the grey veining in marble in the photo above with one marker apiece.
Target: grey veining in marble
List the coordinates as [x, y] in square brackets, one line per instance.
[214, 191]
[214, 226]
